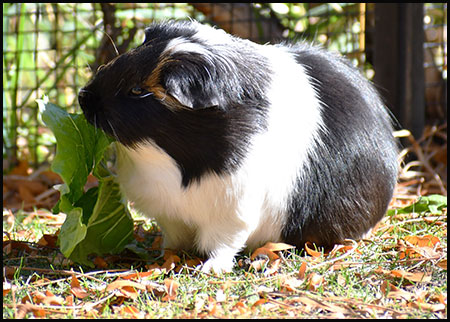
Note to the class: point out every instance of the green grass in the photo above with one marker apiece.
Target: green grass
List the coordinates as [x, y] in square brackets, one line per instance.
[357, 283]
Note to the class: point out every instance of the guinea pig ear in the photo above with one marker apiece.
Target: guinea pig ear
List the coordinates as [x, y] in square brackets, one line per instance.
[191, 80]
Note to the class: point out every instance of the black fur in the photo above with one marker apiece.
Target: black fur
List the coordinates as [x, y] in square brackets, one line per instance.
[348, 182]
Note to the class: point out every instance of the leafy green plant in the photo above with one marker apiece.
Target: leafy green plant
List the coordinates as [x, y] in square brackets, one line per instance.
[433, 204]
[97, 220]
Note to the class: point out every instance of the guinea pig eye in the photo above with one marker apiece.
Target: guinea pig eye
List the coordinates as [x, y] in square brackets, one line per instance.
[139, 92]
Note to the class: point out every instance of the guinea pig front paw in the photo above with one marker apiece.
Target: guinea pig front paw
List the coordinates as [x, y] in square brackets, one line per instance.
[218, 265]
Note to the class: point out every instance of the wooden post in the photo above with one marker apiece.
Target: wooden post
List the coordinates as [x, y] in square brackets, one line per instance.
[398, 62]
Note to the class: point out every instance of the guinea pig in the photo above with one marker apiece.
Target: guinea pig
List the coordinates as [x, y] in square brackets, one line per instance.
[229, 144]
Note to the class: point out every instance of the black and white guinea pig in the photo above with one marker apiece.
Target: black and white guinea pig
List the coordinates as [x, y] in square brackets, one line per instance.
[229, 144]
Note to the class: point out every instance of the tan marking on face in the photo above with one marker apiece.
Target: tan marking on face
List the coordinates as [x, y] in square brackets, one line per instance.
[153, 84]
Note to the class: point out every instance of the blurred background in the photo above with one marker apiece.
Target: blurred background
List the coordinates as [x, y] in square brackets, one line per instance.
[53, 49]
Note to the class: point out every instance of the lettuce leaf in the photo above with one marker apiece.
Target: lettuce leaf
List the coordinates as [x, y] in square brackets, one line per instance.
[97, 221]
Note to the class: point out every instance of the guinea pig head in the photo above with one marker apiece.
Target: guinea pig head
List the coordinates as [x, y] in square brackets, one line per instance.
[177, 92]
[139, 91]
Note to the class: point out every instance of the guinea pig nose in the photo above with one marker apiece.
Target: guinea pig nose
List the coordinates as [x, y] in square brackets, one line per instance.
[85, 97]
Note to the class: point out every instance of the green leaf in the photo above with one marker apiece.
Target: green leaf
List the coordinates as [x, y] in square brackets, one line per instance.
[73, 230]
[79, 147]
[109, 228]
[97, 221]
[436, 203]
[431, 203]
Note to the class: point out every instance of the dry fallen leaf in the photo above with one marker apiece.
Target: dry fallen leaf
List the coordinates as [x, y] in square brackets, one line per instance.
[428, 306]
[422, 241]
[140, 275]
[391, 291]
[341, 280]
[171, 261]
[171, 287]
[259, 302]
[344, 249]
[122, 283]
[48, 240]
[9, 271]
[100, 262]
[76, 289]
[442, 264]
[25, 194]
[10, 246]
[126, 288]
[37, 297]
[411, 276]
[241, 307]
[302, 270]
[416, 252]
[275, 247]
[69, 300]
[214, 308]
[265, 257]
[310, 251]
[131, 310]
[264, 251]
[419, 246]
[51, 299]
[23, 309]
[21, 169]
[414, 277]
[315, 280]
[289, 284]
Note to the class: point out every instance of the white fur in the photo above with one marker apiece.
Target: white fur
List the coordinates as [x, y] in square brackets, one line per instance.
[220, 215]
[272, 167]
[184, 45]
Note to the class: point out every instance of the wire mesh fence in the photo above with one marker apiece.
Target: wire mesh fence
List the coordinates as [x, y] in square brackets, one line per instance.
[52, 49]
[435, 59]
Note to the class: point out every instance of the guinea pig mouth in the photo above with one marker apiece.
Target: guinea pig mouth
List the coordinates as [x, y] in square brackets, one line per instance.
[88, 101]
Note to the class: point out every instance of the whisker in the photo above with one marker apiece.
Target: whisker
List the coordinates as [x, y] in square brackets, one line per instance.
[114, 131]
[145, 95]
[90, 68]
[112, 42]
[95, 122]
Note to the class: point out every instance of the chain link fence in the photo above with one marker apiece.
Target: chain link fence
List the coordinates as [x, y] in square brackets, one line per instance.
[52, 49]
